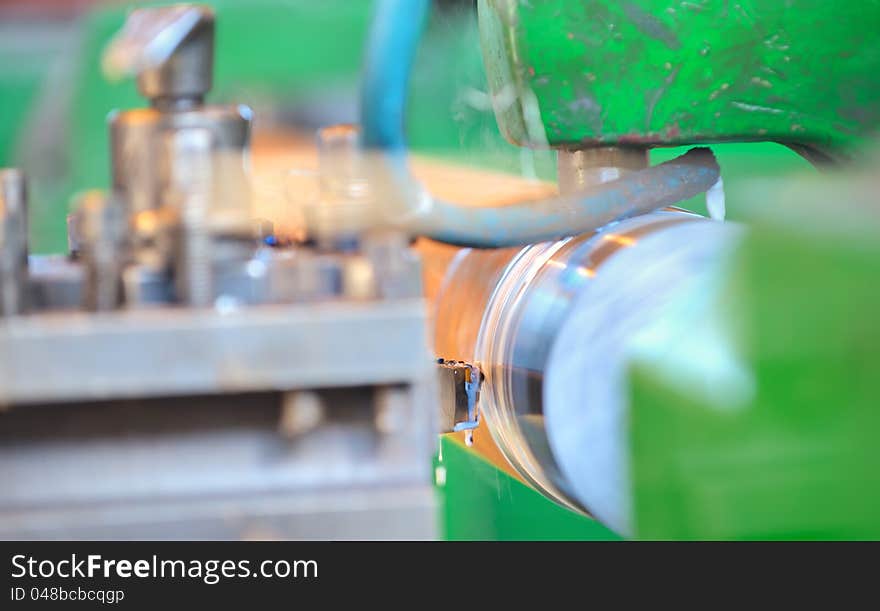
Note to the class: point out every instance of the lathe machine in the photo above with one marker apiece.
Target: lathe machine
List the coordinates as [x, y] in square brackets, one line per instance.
[217, 355]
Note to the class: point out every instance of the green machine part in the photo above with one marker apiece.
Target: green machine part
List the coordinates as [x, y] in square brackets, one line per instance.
[790, 452]
[282, 54]
[480, 502]
[581, 73]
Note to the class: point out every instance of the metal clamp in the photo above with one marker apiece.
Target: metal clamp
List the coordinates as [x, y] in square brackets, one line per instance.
[459, 395]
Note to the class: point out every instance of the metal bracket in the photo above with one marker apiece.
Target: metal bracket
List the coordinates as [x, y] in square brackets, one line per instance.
[459, 395]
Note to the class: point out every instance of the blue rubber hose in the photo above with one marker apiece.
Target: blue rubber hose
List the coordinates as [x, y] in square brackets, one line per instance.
[391, 49]
[394, 38]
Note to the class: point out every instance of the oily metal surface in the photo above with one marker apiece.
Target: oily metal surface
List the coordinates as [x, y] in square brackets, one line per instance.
[586, 389]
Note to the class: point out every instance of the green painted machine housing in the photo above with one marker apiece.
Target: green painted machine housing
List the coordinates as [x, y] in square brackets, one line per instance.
[791, 452]
[580, 73]
[482, 502]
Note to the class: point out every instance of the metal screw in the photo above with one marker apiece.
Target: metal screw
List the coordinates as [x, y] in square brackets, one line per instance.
[189, 181]
[13, 242]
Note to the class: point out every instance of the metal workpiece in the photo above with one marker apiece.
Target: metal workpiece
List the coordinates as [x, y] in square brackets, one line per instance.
[630, 308]
[102, 223]
[462, 298]
[580, 169]
[13, 242]
[503, 311]
[170, 50]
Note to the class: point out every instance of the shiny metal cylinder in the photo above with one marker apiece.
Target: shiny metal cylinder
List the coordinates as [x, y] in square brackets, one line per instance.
[506, 311]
